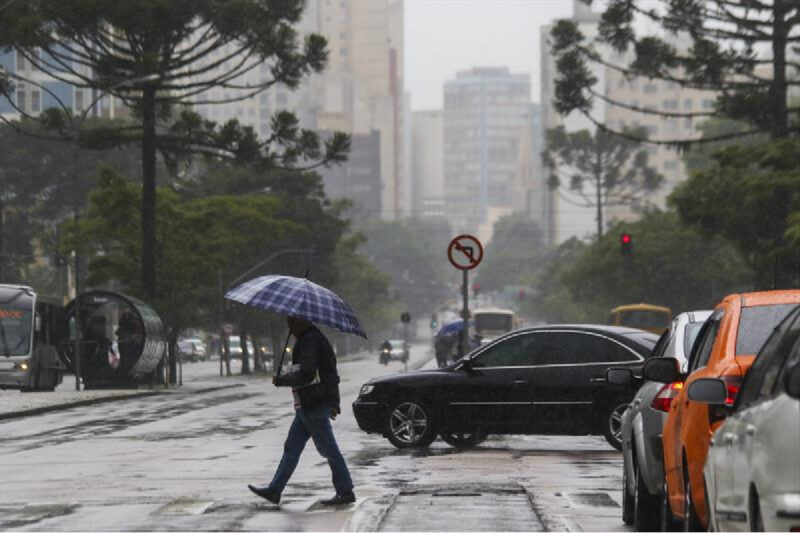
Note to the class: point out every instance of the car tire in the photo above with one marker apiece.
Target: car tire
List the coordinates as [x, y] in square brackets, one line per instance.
[645, 514]
[627, 499]
[666, 518]
[410, 424]
[691, 522]
[612, 427]
[463, 440]
[756, 518]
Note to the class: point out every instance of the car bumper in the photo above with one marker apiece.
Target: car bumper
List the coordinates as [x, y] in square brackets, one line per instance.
[781, 512]
[368, 415]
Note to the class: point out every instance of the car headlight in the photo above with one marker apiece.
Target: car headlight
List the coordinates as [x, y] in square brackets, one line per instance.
[366, 389]
[22, 365]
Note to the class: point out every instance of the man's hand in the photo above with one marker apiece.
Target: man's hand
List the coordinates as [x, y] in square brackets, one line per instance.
[335, 411]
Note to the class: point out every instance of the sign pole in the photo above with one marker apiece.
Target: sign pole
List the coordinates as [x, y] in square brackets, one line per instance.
[465, 330]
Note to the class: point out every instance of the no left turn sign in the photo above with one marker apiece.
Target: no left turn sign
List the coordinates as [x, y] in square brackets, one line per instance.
[465, 252]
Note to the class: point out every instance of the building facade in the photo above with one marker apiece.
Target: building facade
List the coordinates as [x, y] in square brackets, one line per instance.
[485, 112]
[427, 168]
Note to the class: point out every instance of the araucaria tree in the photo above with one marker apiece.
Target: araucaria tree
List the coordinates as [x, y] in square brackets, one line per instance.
[742, 49]
[601, 170]
[159, 56]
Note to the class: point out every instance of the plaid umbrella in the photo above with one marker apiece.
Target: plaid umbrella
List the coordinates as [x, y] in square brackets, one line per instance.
[299, 298]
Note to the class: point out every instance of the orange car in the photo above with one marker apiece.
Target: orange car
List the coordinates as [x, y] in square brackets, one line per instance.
[725, 348]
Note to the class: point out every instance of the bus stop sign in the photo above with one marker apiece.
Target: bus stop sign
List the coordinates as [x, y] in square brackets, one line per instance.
[465, 252]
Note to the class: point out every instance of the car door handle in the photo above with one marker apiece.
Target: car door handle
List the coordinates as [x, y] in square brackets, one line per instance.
[519, 382]
[750, 430]
[598, 379]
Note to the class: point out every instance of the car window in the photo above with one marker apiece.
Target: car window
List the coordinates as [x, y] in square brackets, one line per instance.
[690, 335]
[518, 350]
[791, 361]
[701, 351]
[662, 343]
[570, 348]
[756, 324]
[761, 378]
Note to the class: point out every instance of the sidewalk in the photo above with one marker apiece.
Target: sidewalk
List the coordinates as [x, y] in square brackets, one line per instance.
[197, 378]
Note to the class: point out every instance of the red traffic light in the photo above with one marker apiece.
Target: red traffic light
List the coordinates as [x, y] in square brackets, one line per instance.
[625, 238]
[626, 244]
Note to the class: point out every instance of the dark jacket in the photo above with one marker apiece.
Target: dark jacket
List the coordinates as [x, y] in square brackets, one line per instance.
[313, 354]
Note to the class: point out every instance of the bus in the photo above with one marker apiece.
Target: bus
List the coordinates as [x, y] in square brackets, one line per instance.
[652, 318]
[492, 323]
[29, 325]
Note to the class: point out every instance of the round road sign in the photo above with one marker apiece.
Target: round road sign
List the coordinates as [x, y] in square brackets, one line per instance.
[465, 252]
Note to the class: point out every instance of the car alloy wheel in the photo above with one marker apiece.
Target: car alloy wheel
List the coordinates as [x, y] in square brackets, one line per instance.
[463, 439]
[690, 520]
[410, 425]
[613, 427]
[645, 504]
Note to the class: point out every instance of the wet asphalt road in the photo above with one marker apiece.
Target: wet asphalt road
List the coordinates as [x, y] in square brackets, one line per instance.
[182, 461]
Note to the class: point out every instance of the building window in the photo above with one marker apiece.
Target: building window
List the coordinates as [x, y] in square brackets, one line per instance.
[36, 101]
[672, 103]
[21, 100]
[650, 88]
[687, 123]
[708, 103]
[343, 52]
[79, 103]
[687, 103]
[22, 63]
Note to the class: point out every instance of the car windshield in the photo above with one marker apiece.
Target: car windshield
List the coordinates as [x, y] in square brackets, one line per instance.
[756, 324]
[493, 321]
[396, 344]
[644, 319]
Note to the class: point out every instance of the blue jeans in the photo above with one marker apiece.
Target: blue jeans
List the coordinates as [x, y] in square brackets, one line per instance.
[316, 425]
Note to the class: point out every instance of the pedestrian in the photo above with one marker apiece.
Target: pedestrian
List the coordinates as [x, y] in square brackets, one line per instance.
[315, 387]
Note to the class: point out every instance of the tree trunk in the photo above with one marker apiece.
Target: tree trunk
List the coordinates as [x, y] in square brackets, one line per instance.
[258, 356]
[777, 89]
[245, 355]
[226, 353]
[172, 356]
[148, 190]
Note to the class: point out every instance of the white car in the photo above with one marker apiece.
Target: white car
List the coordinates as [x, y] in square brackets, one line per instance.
[198, 347]
[235, 346]
[752, 472]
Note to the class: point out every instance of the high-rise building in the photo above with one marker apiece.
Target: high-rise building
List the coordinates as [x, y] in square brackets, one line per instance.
[360, 91]
[427, 168]
[485, 112]
[359, 178]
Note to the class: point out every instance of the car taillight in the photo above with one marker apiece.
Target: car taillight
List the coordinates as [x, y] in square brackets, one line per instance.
[663, 400]
[733, 384]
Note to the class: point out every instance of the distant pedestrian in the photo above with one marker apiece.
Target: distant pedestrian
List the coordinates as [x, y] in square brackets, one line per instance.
[315, 387]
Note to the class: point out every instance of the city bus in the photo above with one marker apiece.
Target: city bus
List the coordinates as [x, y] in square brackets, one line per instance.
[652, 318]
[29, 325]
[492, 323]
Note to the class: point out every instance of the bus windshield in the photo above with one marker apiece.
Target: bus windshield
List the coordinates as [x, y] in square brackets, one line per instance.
[494, 322]
[15, 329]
[644, 319]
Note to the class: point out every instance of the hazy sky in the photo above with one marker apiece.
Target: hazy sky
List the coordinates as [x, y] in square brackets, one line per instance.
[445, 36]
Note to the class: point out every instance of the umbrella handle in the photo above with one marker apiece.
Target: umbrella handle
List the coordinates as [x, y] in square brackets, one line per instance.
[283, 353]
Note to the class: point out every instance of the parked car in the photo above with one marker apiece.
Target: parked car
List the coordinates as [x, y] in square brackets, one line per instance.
[188, 351]
[642, 423]
[752, 473]
[725, 348]
[235, 346]
[542, 380]
[394, 350]
[198, 348]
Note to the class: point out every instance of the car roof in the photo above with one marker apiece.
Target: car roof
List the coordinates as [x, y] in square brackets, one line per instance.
[752, 299]
[634, 335]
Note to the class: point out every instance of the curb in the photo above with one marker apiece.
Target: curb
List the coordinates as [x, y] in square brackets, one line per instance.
[103, 399]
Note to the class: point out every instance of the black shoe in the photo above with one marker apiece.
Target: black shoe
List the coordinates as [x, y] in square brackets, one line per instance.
[340, 499]
[266, 493]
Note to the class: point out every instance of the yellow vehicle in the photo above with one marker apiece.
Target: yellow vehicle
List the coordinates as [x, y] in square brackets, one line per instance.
[492, 323]
[652, 318]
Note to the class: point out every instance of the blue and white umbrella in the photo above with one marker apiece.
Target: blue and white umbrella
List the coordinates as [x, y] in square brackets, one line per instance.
[299, 298]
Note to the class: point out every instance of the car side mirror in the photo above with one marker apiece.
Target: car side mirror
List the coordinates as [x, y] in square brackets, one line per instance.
[662, 369]
[466, 364]
[708, 390]
[791, 381]
[619, 376]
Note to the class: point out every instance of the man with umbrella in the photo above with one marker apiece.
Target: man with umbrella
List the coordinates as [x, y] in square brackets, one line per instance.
[313, 379]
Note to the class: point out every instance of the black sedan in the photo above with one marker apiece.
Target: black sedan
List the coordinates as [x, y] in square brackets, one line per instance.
[542, 380]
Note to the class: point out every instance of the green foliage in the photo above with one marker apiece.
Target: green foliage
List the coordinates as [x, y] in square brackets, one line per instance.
[516, 246]
[731, 44]
[417, 275]
[747, 196]
[700, 157]
[601, 169]
[672, 265]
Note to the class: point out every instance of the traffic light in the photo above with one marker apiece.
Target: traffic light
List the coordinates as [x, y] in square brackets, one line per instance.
[625, 244]
[476, 287]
